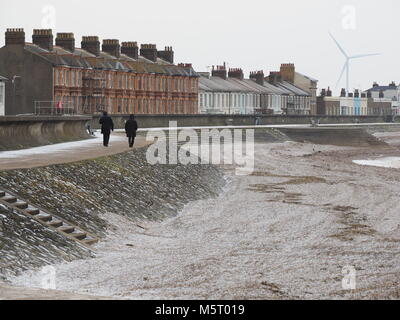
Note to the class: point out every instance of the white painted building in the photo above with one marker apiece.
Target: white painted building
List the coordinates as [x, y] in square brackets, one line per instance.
[219, 95]
[229, 93]
[388, 93]
[2, 96]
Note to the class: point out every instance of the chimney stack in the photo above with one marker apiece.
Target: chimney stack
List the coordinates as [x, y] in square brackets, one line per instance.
[323, 93]
[167, 55]
[343, 93]
[91, 44]
[351, 95]
[288, 72]
[219, 71]
[131, 49]
[393, 85]
[375, 84]
[356, 93]
[185, 65]
[43, 38]
[112, 47]
[363, 95]
[329, 92]
[15, 36]
[66, 41]
[274, 77]
[236, 73]
[149, 51]
[258, 77]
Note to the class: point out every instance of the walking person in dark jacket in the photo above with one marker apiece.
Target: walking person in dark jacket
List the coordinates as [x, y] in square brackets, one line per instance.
[107, 125]
[131, 127]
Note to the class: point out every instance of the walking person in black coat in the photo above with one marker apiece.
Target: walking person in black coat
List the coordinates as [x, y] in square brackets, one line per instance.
[131, 127]
[107, 125]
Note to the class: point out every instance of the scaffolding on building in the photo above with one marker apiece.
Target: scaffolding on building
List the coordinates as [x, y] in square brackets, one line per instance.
[94, 93]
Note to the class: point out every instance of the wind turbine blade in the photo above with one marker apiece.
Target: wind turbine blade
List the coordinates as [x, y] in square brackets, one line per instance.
[364, 55]
[338, 45]
[341, 75]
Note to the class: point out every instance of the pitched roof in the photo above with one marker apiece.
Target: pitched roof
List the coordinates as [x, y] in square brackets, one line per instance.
[80, 58]
[383, 88]
[293, 89]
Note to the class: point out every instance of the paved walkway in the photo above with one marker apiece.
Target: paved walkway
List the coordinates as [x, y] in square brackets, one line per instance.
[67, 152]
[15, 293]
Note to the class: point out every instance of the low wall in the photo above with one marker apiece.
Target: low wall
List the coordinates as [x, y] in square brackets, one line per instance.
[31, 131]
[354, 137]
[157, 121]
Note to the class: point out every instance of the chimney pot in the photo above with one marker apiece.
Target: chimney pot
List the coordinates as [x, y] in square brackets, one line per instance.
[112, 47]
[15, 36]
[258, 76]
[167, 54]
[91, 44]
[43, 38]
[66, 41]
[220, 71]
[149, 51]
[130, 49]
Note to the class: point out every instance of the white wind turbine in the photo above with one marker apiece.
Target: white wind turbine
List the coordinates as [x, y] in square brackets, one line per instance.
[346, 66]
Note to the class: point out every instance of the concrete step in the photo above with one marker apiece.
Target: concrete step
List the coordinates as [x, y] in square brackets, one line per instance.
[90, 242]
[79, 236]
[32, 211]
[44, 218]
[21, 205]
[56, 224]
[41, 216]
[9, 199]
[66, 229]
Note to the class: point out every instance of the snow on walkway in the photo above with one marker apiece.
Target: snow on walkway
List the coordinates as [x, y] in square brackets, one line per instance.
[66, 152]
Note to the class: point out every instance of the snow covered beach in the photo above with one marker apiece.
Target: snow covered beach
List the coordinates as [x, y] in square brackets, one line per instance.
[285, 232]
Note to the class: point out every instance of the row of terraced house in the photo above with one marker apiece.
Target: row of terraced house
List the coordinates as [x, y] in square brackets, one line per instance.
[45, 77]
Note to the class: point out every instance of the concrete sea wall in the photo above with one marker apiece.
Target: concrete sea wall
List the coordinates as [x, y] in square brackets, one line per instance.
[157, 121]
[82, 192]
[18, 132]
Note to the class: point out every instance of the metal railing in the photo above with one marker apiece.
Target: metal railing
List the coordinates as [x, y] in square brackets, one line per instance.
[54, 108]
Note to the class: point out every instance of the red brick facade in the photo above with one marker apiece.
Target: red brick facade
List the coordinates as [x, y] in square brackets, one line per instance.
[125, 92]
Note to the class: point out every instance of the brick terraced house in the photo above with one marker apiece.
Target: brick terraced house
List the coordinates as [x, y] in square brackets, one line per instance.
[118, 78]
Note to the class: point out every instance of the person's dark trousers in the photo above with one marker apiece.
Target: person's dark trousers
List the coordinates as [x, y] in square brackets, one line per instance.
[106, 138]
[131, 141]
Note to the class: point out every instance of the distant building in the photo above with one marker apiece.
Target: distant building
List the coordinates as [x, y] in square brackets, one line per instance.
[116, 78]
[294, 100]
[228, 92]
[352, 104]
[2, 95]
[390, 93]
[309, 85]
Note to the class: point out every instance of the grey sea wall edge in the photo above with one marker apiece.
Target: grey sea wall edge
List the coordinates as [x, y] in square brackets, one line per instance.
[81, 192]
[160, 121]
[19, 132]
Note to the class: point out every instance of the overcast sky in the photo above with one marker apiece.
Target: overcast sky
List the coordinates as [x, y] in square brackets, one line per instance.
[251, 34]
